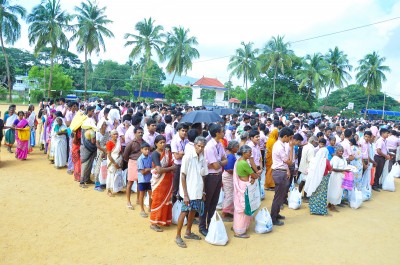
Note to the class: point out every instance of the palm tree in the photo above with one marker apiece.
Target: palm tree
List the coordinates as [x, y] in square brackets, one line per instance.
[149, 39]
[277, 56]
[10, 31]
[371, 74]
[338, 66]
[180, 52]
[48, 24]
[244, 63]
[314, 73]
[91, 30]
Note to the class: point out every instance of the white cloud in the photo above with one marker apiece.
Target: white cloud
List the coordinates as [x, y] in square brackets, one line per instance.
[220, 27]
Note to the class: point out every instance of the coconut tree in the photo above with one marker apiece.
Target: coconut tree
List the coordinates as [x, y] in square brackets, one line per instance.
[314, 74]
[371, 74]
[276, 56]
[180, 51]
[90, 31]
[150, 38]
[10, 31]
[338, 66]
[244, 64]
[48, 24]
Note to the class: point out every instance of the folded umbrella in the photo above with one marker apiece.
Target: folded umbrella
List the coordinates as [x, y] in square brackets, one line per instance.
[199, 116]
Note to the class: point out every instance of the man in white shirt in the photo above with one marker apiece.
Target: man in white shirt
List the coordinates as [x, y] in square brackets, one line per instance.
[306, 156]
[191, 188]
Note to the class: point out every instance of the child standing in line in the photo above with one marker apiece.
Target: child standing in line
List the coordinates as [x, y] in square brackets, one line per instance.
[144, 163]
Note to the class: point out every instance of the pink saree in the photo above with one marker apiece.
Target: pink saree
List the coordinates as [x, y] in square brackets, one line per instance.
[22, 146]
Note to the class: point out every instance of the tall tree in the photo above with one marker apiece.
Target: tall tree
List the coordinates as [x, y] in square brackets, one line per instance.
[314, 74]
[48, 24]
[149, 38]
[10, 31]
[244, 64]
[338, 69]
[371, 74]
[91, 30]
[277, 56]
[180, 51]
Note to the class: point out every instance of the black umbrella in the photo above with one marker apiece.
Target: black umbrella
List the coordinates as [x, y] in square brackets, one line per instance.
[199, 116]
[224, 111]
[264, 107]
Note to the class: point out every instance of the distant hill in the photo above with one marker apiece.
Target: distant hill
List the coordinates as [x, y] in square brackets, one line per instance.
[180, 80]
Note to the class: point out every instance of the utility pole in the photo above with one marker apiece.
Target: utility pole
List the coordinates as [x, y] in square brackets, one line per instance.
[383, 110]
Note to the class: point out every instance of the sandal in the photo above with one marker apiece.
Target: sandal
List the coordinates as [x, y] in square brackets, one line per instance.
[242, 235]
[110, 194]
[130, 207]
[180, 242]
[192, 236]
[83, 186]
[156, 228]
[144, 214]
[98, 189]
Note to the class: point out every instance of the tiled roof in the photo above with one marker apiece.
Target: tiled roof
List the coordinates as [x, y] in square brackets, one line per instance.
[206, 81]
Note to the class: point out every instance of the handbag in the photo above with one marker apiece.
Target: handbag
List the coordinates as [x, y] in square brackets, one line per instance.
[252, 198]
[294, 200]
[24, 134]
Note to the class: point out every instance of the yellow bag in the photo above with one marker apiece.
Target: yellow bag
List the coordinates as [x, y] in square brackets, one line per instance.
[77, 121]
[24, 134]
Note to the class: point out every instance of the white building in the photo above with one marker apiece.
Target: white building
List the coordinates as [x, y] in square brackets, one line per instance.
[208, 83]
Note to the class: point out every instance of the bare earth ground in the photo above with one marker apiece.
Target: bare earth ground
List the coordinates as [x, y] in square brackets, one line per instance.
[47, 219]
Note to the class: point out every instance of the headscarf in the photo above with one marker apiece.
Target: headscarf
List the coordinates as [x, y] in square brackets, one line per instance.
[316, 171]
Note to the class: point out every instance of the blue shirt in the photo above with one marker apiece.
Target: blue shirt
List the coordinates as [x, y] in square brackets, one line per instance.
[231, 161]
[144, 162]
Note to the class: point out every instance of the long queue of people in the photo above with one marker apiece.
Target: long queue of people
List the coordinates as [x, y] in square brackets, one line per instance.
[169, 161]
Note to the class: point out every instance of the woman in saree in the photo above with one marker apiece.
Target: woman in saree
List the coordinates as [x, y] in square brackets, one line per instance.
[88, 152]
[59, 142]
[317, 181]
[10, 128]
[21, 127]
[102, 137]
[358, 163]
[243, 174]
[76, 153]
[49, 127]
[40, 129]
[161, 185]
[31, 117]
[114, 161]
[269, 181]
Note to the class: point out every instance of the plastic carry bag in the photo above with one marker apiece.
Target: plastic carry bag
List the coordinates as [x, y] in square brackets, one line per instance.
[216, 231]
[388, 183]
[103, 172]
[356, 199]
[146, 200]
[301, 178]
[118, 182]
[220, 200]
[134, 187]
[176, 211]
[252, 198]
[366, 193]
[385, 172]
[395, 172]
[294, 199]
[263, 222]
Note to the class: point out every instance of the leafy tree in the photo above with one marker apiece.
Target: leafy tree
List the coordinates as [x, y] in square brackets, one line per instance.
[180, 51]
[91, 30]
[207, 95]
[244, 64]
[22, 59]
[153, 77]
[149, 39]
[110, 75]
[62, 83]
[314, 74]
[48, 24]
[277, 56]
[338, 67]
[371, 74]
[10, 31]
[177, 94]
[4, 73]
[62, 57]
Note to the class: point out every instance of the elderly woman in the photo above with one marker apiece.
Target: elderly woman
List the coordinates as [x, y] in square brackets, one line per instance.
[242, 175]
[244, 138]
[88, 152]
[59, 143]
[161, 185]
[114, 161]
[335, 190]
[317, 181]
[357, 162]
[227, 181]
[102, 137]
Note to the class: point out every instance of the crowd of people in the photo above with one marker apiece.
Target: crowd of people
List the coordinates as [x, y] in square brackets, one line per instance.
[169, 160]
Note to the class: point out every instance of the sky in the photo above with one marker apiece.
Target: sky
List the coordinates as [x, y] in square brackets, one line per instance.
[220, 27]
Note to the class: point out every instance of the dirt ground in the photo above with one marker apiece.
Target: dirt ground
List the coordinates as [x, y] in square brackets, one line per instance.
[47, 219]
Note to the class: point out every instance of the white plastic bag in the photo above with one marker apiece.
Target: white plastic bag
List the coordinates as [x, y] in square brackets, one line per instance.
[294, 199]
[220, 200]
[263, 222]
[118, 182]
[216, 231]
[388, 183]
[125, 176]
[146, 200]
[366, 193]
[176, 211]
[356, 199]
[385, 172]
[262, 194]
[103, 172]
[395, 170]
[301, 178]
[134, 187]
